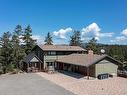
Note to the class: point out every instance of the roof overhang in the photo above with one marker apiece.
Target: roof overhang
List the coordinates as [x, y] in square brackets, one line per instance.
[31, 58]
[94, 61]
[109, 58]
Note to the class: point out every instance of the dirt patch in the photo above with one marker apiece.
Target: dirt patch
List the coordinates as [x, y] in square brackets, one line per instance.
[82, 86]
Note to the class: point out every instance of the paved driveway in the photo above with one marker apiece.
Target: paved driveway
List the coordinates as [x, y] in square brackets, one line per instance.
[29, 84]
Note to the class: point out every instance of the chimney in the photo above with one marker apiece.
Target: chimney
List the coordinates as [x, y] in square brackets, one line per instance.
[90, 56]
[90, 52]
[90, 60]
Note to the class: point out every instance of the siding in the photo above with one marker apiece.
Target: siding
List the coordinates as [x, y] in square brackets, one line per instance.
[105, 67]
[39, 53]
[51, 58]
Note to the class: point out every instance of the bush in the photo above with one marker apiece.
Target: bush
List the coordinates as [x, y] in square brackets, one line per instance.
[10, 68]
[1, 72]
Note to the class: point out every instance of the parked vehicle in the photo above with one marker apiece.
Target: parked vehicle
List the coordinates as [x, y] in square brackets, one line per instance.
[122, 73]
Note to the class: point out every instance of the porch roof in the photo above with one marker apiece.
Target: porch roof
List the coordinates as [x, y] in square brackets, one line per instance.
[31, 57]
[85, 59]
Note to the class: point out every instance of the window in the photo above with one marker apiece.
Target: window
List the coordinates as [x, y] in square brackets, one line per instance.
[51, 53]
[60, 53]
[50, 64]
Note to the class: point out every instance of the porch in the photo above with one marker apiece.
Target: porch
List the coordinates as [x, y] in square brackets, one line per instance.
[32, 63]
[73, 70]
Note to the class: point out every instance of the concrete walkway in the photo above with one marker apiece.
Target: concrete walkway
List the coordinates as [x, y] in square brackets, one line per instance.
[29, 84]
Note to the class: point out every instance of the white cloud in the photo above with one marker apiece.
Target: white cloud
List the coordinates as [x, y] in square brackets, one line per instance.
[119, 39]
[106, 34]
[93, 30]
[20, 39]
[62, 32]
[97, 38]
[40, 39]
[124, 32]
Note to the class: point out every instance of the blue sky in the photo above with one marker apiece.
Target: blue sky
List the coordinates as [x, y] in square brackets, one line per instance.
[104, 19]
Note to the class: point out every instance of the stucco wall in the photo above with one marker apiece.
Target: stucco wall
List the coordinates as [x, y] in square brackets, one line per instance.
[106, 67]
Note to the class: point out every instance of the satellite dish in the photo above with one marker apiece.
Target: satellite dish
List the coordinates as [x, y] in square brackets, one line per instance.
[102, 51]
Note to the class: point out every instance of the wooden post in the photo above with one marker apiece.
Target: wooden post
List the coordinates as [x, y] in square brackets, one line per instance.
[40, 66]
[63, 66]
[88, 73]
[28, 67]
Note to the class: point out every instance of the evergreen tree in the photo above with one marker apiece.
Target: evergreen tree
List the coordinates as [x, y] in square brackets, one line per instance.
[117, 52]
[29, 43]
[6, 50]
[92, 45]
[48, 39]
[18, 52]
[75, 39]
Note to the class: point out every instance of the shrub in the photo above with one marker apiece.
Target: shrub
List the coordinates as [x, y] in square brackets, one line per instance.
[10, 68]
[1, 72]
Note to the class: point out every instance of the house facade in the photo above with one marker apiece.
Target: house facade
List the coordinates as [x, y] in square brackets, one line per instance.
[48, 54]
[71, 58]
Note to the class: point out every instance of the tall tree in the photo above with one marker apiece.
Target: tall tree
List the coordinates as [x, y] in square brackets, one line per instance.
[29, 42]
[75, 39]
[6, 50]
[117, 52]
[92, 45]
[18, 52]
[48, 39]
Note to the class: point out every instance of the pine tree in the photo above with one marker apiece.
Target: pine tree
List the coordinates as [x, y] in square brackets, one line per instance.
[18, 52]
[6, 50]
[92, 45]
[75, 39]
[48, 39]
[29, 43]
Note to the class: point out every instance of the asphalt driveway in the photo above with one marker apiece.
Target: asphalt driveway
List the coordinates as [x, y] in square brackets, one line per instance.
[29, 84]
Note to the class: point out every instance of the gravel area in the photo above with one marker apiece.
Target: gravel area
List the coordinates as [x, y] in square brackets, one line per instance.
[82, 86]
[29, 84]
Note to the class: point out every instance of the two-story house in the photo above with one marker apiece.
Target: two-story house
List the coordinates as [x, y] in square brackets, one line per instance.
[44, 56]
[70, 58]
